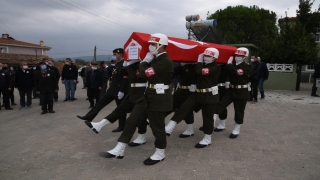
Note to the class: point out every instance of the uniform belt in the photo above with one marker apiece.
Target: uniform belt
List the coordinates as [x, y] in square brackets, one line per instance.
[138, 84]
[221, 84]
[204, 90]
[153, 86]
[239, 86]
[184, 87]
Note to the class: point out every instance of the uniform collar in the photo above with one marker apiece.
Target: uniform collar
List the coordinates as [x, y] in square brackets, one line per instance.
[160, 54]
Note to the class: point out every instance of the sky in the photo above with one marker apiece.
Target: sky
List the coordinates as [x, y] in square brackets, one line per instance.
[73, 27]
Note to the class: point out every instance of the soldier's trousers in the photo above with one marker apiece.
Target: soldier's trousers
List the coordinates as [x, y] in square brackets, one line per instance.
[177, 102]
[239, 107]
[207, 113]
[103, 101]
[125, 107]
[157, 124]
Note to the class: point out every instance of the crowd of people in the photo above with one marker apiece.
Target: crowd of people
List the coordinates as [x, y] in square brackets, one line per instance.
[143, 88]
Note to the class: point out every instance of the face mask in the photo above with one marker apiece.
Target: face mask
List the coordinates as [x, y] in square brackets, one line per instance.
[25, 67]
[113, 58]
[153, 50]
[252, 60]
[44, 67]
[46, 63]
[207, 60]
[238, 60]
[94, 68]
[67, 63]
[113, 64]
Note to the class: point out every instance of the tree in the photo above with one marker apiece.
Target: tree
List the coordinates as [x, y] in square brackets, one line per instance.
[243, 25]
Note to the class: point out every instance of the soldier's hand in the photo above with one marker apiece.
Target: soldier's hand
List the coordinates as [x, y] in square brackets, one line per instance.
[120, 95]
[230, 60]
[100, 88]
[200, 58]
[148, 58]
[125, 63]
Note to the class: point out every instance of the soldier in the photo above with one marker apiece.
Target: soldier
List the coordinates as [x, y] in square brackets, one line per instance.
[117, 90]
[206, 95]
[185, 88]
[136, 91]
[155, 103]
[239, 92]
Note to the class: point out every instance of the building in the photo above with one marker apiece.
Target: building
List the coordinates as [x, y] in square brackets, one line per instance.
[12, 51]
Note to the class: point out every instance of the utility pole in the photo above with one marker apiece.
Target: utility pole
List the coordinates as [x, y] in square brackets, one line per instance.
[95, 53]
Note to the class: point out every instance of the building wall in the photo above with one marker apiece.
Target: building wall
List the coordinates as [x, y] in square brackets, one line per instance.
[282, 80]
[24, 50]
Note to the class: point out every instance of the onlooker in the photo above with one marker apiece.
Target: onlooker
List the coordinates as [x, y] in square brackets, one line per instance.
[253, 78]
[111, 68]
[263, 75]
[105, 77]
[24, 82]
[69, 79]
[5, 86]
[51, 67]
[316, 76]
[12, 74]
[83, 76]
[94, 83]
[46, 84]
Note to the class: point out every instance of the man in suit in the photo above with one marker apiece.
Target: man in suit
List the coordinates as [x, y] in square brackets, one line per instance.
[5, 87]
[118, 89]
[24, 82]
[46, 84]
[94, 83]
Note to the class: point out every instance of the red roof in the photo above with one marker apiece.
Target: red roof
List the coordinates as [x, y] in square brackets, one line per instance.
[20, 43]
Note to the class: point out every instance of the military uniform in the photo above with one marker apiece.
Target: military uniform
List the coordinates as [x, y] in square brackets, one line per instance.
[136, 91]
[119, 83]
[207, 78]
[223, 84]
[156, 102]
[238, 93]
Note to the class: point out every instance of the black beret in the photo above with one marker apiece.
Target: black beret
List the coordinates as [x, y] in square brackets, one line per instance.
[118, 50]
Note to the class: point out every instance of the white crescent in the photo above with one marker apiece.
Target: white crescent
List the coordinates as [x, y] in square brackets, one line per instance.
[182, 46]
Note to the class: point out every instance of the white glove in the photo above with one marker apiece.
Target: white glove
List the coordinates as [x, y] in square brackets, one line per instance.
[148, 58]
[132, 62]
[230, 60]
[125, 63]
[120, 95]
[200, 58]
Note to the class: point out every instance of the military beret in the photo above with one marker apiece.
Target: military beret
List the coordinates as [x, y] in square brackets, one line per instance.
[118, 50]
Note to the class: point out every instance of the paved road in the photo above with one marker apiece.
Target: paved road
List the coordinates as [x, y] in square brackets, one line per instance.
[279, 140]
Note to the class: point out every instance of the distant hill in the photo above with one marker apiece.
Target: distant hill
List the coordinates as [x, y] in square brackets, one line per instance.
[88, 58]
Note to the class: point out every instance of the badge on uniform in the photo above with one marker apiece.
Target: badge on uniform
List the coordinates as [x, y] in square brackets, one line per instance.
[159, 88]
[48, 75]
[205, 71]
[215, 90]
[192, 88]
[240, 72]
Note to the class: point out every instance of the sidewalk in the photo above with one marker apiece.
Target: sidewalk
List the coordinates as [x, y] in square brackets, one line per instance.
[279, 140]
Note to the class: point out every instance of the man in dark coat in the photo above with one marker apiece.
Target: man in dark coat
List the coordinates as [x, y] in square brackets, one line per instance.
[316, 76]
[69, 79]
[263, 75]
[94, 83]
[50, 67]
[46, 84]
[254, 78]
[24, 82]
[105, 77]
[5, 87]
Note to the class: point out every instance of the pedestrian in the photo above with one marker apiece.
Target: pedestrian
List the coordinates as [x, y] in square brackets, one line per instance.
[263, 76]
[25, 82]
[46, 84]
[51, 67]
[316, 77]
[254, 78]
[136, 91]
[105, 78]
[12, 74]
[206, 95]
[5, 86]
[155, 103]
[94, 83]
[238, 94]
[69, 79]
[111, 68]
[117, 91]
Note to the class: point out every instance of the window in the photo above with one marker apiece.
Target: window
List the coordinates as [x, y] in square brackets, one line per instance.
[3, 49]
[318, 37]
[310, 68]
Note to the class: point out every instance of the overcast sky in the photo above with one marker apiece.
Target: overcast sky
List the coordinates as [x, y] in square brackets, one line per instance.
[73, 27]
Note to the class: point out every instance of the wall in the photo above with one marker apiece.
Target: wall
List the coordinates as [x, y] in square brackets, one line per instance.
[281, 80]
[24, 50]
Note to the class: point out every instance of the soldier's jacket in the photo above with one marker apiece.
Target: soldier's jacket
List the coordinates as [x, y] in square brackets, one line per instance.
[159, 71]
[207, 77]
[239, 75]
[119, 82]
[188, 76]
[134, 77]
[223, 77]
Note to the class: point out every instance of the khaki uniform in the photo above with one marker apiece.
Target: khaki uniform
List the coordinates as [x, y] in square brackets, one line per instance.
[152, 105]
[238, 76]
[207, 77]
